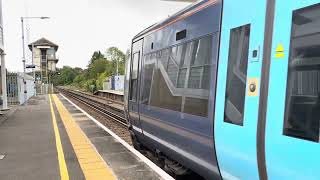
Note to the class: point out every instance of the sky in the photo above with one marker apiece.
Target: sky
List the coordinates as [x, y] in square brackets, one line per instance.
[79, 27]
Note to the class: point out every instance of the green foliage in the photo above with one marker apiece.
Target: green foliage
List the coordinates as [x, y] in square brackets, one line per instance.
[78, 80]
[99, 82]
[115, 55]
[95, 56]
[67, 75]
[99, 68]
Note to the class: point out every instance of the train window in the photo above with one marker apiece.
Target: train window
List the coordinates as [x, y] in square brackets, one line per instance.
[148, 68]
[237, 74]
[160, 94]
[188, 54]
[134, 76]
[199, 53]
[175, 59]
[178, 78]
[196, 106]
[182, 77]
[164, 57]
[172, 66]
[302, 113]
[200, 64]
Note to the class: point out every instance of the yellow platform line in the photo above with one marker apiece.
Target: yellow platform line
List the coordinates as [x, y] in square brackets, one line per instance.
[91, 163]
[62, 163]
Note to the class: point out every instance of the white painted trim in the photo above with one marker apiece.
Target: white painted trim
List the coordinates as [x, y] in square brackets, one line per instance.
[153, 166]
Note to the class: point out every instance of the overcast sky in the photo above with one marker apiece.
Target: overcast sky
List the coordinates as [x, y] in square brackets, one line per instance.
[79, 27]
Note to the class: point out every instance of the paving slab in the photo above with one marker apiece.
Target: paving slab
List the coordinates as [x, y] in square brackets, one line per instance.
[28, 142]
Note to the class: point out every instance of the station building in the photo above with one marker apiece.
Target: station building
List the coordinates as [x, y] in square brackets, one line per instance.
[44, 59]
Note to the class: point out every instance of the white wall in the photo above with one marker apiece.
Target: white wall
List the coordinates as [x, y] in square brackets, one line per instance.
[29, 85]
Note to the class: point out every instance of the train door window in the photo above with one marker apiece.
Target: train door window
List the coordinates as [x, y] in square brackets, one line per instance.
[302, 114]
[134, 76]
[237, 74]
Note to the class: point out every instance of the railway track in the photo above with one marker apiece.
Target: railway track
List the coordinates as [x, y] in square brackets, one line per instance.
[102, 106]
[101, 98]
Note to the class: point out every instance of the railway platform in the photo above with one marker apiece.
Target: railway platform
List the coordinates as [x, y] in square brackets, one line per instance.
[52, 138]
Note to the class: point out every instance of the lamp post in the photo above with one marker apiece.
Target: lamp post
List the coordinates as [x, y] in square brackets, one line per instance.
[24, 54]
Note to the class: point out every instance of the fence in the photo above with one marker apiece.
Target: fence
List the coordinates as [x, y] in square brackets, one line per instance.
[12, 89]
[15, 88]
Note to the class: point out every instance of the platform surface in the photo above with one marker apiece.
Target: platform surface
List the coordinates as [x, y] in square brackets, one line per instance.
[50, 138]
[120, 93]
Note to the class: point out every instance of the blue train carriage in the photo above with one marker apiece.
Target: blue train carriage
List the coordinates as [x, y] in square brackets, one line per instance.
[230, 90]
[172, 86]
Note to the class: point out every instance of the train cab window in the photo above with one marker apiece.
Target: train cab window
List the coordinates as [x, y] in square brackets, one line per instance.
[302, 113]
[237, 75]
[134, 76]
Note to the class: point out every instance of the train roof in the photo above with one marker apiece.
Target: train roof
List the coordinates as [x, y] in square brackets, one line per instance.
[189, 10]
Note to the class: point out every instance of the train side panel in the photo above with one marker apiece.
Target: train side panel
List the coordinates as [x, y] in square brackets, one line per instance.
[177, 90]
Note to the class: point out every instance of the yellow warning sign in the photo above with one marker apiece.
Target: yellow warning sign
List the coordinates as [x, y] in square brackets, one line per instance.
[279, 51]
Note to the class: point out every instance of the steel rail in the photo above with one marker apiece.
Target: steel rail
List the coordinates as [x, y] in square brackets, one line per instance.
[97, 106]
[101, 97]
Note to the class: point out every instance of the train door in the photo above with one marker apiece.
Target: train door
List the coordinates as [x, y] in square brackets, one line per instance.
[237, 96]
[134, 84]
[293, 111]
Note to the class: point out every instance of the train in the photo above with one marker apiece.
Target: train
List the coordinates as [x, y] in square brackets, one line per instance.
[229, 90]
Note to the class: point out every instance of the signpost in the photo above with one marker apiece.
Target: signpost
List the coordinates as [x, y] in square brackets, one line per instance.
[30, 66]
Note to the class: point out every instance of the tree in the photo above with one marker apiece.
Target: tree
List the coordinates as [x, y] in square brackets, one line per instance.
[78, 80]
[97, 67]
[66, 75]
[95, 56]
[115, 55]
